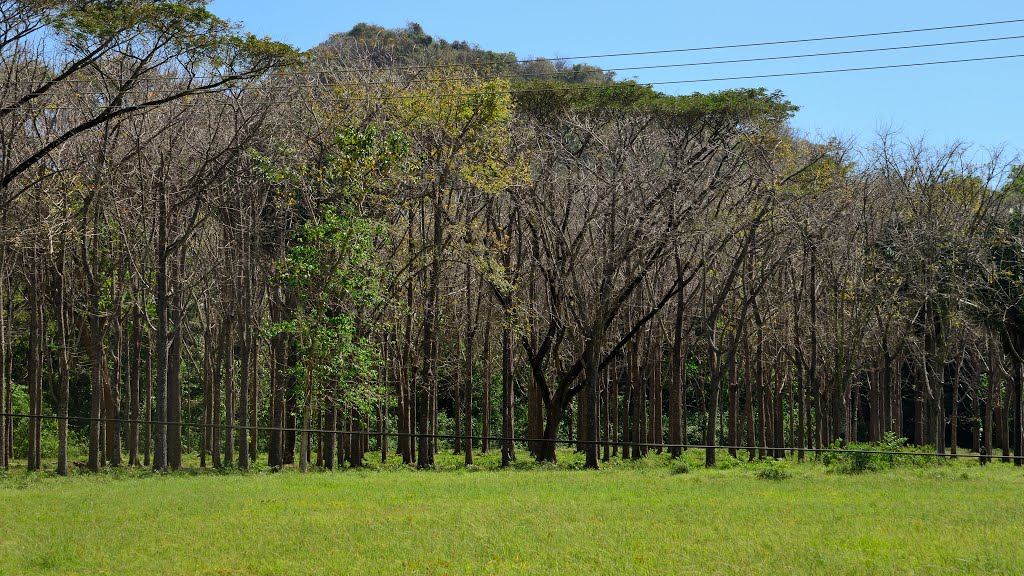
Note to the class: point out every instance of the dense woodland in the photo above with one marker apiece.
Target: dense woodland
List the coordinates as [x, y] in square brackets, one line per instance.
[215, 247]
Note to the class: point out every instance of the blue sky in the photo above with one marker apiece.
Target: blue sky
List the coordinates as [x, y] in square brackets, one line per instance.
[979, 102]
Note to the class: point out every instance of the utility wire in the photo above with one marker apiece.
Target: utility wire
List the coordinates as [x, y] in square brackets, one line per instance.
[395, 82]
[563, 88]
[839, 70]
[721, 46]
[638, 53]
[792, 56]
[500, 439]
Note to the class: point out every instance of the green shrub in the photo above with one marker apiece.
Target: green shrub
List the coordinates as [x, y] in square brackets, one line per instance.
[890, 452]
[774, 470]
[727, 462]
[682, 467]
[852, 462]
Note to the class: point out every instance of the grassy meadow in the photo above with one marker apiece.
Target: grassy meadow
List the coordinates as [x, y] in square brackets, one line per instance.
[647, 517]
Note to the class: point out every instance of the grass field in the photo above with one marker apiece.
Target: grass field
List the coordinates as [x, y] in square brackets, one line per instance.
[628, 518]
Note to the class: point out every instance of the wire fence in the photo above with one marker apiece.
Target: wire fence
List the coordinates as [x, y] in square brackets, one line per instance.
[516, 439]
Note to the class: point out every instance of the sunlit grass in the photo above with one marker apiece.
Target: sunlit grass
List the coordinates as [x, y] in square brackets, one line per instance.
[646, 517]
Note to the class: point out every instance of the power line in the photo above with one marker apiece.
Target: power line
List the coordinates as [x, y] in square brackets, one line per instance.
[812, 55]
[499, 439]
[563, 88]
[558, 73]
[637, 53]
[839, 70]
[724, 46]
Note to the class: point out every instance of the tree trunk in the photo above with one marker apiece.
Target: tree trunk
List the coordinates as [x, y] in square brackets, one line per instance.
[534, 417]
[5, 405]
[606, 417]
[64, 377]
[710, 457]
[1018, 409]
[954, 417]
[35, 366]
[328, 439]
[357, 445]
[278, 380]
[146, 449]
[112, 396]
[176, 326]
[207, 416]
[591, 361]
[508, 454]
[734, 402]
[1003, 413]
[467, 390]
[677, 365]
[975, 387]
[134, 386]
[306, 408]
[291, 405]
[427, 408]
[657, 400]
[750, 437]
[244, 368]
[485, 415]
[229, 389]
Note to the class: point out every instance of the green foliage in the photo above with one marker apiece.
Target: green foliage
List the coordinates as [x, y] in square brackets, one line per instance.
[889, 453]
[727, 462]
[446, 427]
[1014, 187]
[750, 106]
[186, 20]
[332, 266]
[176, 29]
[681, 467]
[48, 434]
[774, 470]
[549, 100]
[48, 429]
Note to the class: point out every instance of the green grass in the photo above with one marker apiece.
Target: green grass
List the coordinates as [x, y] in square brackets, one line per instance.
[649, 517]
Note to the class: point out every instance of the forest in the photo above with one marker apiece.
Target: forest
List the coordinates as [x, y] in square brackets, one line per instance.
[219, 251]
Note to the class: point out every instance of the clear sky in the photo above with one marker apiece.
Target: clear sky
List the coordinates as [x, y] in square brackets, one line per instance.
[980, 102]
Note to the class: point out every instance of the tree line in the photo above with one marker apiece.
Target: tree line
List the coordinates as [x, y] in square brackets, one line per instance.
[215, 245]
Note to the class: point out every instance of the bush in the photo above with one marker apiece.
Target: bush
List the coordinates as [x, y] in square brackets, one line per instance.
[852, 462]
[727, 462]
[891, 452]
[774, 470]
[682, 467]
